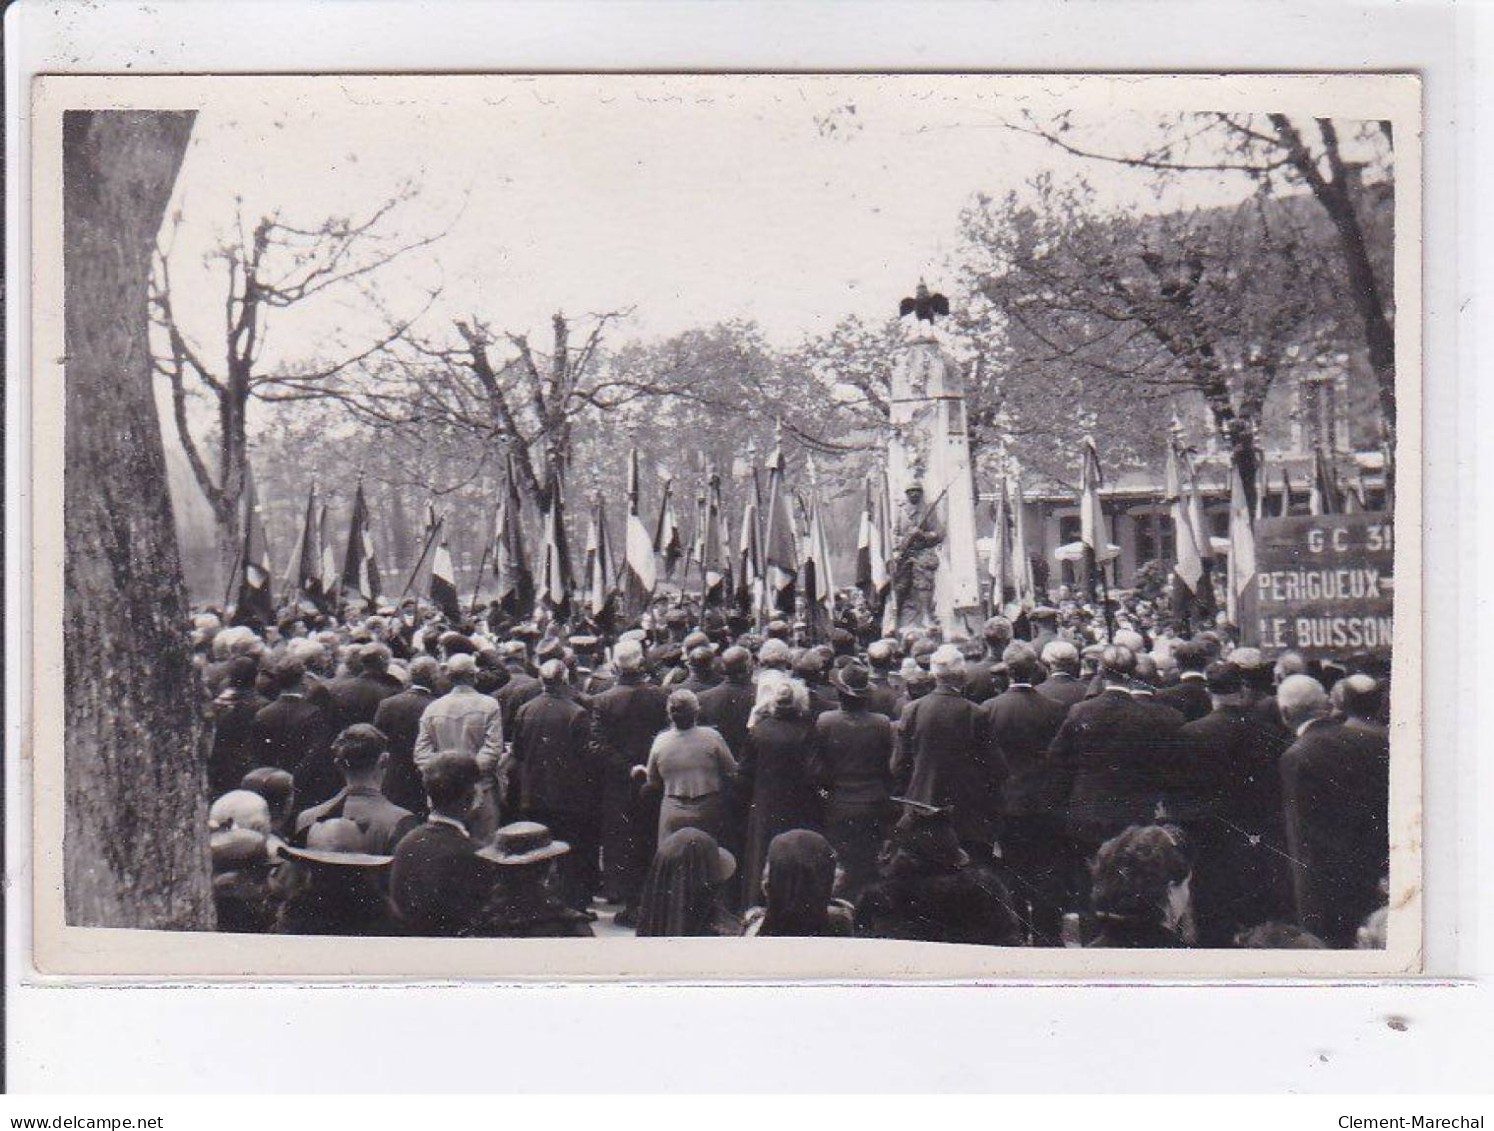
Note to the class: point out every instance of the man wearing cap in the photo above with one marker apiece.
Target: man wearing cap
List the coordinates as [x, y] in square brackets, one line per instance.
[521, 904]
[1191, 695]
[884, 696]
[1044, 621]
[1063, 684]
[438, 883]
[1335, 800]
[701, 662]
[979, 684]
[398, 717]
[810, 667]
[944, 755]
[521, 686]
[1022, 725]
[1228, 800]
[625, 719]
[560, 781]
[852, 760]
[465, 721]
[361, 753]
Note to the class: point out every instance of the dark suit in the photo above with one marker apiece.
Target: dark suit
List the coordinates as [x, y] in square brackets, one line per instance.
[1022, 724]
[520, 688]
[944, 756]
[294, 734]
[625, 720]
[1228, 798]
[1336, 798]
[1063, 688]
[438, 882]
[884, 697]
[981, 683]
[384, 823]
[1117, 755]
[852, 759]
[399, 718]
[356, 698]
[1190, 696]
[560, 784]
[233, 752]
[726, 707]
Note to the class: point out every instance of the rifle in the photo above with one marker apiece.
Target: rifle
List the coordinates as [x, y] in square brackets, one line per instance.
[900, 553]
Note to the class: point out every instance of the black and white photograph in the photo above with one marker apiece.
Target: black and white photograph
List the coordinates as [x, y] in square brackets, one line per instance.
[869, 526]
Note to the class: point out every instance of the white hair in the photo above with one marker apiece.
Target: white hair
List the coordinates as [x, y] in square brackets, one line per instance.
[628, 655]
[1300, 698]
[240, 809]
[1130, 638]
[947, 660]
[769, 681]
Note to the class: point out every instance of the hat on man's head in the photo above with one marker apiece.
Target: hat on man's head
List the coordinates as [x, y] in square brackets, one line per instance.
[927, 832]
[697, 639]
[337, 842]
[523, 842]
[1224, 678]
[1043, 612]
[462, 665]
[914, 487]
[852, 681]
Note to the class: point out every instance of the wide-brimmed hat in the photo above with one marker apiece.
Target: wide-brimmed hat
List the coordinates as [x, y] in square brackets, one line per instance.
[523, 842]
[337, 842]
[927, 832]
[852, 681]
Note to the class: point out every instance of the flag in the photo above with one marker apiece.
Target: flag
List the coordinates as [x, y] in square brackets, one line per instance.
[1092, 515]
[1241, 550]
[716, 548]
[1326, 497]
[303, 575]
[553, 579]
[667, 542]
[254, 602]
[443, 588]
[599, 574]
[360, 569]
[1026, 592]
[512, 576]
[871, 551]
[749, 562]
[640, 574]
[327, 573]
[779, 554]
[1189, 567]
[819, 586]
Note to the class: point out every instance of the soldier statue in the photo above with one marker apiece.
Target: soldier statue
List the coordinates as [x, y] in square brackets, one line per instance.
[917, 536]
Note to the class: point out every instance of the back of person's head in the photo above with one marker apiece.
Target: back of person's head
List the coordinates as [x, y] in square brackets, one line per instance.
[554, 674]
[275, 785]
[1135, 872]
[1144, 671]
[461, 667]
[242, 672]
[1224, 680]
[289, 673]
[1015, 649]
[359, 746]
[1191, 656]
[881, 655]
[736, 662]
[628, 656]
[701, 660]
[1130, 638]
[1300, 698]
[684, 708]
[1358, 697]
[997, 632]
[1278, 936]
[1060, 655]
[425, 671]
[375, 658]
[239, 809]
[1024, 667]
[1117, 662]
[450, 780]
[809, 665]
[1290, 664]
[774, 654]
[947, 664]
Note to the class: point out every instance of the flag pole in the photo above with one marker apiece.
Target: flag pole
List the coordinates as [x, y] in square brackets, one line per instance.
[430, 540]
[487, 549]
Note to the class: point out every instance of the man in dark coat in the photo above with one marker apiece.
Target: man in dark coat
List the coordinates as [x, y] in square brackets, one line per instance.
[701, 663]
[437, 881]
[980, 684]
[1116, 755]
[361, 752]
[1191, 694]
[356, 697]
[1335, 783]
[626, 718]
[1063, 684]
[560, 779]
[521, 686]
[233, 714]
[852, 761]
[885, 696]
[1022, 725]
[944, 756]
[1228, 800]
[399, 718]
[294, 734]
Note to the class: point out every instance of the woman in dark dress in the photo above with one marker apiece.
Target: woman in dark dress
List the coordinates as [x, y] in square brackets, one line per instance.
[682, 892]
[1140, 892]
[801, 874]
[775, 775]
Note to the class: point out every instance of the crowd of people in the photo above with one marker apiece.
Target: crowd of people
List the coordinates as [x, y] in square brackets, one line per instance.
[1053, 781]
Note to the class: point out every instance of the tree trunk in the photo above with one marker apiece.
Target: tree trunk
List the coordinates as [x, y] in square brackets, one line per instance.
[135, 846]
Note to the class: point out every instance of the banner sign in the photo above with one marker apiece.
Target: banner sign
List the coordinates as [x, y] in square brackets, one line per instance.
[1323, 584]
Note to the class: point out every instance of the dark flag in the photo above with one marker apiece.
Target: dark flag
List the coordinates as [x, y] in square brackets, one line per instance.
[303, 576]
[512, 576]
[667, 541]
[819, 587]
[749, 563]
[601, 592]
[254, 602]
[640, 574]
[360, 568]
[327, 573]
[554, 574]
[443, 577]
[780, 555]
[716, 548]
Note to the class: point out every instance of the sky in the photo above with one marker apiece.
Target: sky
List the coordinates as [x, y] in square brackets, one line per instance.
[788, 201]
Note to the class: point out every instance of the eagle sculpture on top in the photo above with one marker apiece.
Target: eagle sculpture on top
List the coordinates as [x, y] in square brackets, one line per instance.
[924, 306]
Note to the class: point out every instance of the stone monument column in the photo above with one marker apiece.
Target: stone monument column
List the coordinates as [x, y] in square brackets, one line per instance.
[930, 446]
